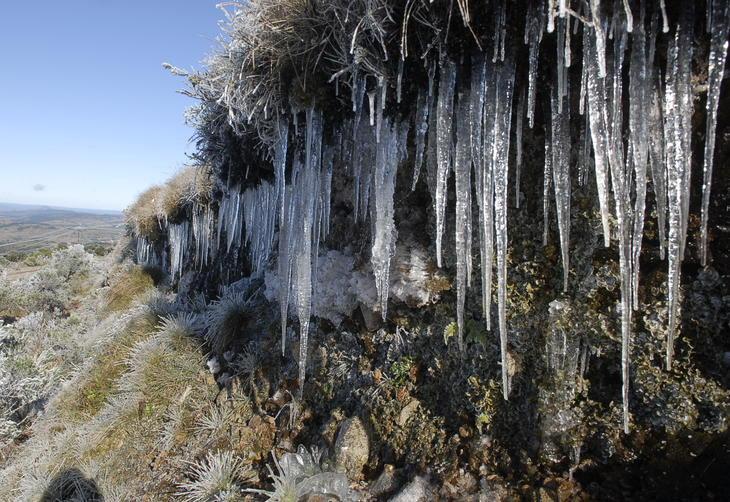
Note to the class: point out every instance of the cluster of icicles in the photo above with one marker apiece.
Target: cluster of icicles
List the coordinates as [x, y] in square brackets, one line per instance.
[464, 126]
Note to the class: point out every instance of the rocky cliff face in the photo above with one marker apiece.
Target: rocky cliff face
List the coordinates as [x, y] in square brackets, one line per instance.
[487, 225]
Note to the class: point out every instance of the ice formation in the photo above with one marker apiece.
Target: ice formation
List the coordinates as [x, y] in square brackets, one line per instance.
[460, 121]
[678, 151]
[390, 152]
[719, 24]
[444, 146]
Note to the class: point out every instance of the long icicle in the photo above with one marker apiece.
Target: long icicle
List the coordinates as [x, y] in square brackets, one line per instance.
[596, 98]
[638, 126]
[462, 175]
[306, 202]
[500, 164]
[561, 173]
[720, 23]
[678, 128]
[444, 146]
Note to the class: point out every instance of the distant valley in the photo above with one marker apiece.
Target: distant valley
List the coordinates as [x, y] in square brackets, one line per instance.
[25, 228]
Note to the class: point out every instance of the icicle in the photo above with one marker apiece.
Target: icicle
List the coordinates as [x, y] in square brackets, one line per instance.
[482, 123]
[629, 16]
[546, 185]
[678, 128]
[357, 87]
[229, 219]
[371, 103]
[423, 104]
[380, 106]
[719, 19]
[444, 119]
[424, 114]
[658, 168]
[551, 16]
[305, 199]
[462, 175]
[665, 21]
[568, 55]
[621, 191]
[202, 222]
[386, 165]
[638, 126]
[326, 191]
[560, 67]
[584, 154]
[534, 21]
[518, 145]
[583, 83]
[284, 260]
[476, 110]
[368, 149]
[502, 123]
[561, 176]
[485, 189]
[596, 98]
[500, 18]
[600, 37]
[179, 239]
[399, 81]
[259, 210]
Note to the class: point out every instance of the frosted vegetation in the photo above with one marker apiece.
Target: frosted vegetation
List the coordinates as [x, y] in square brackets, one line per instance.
[104, 369]
[341, 122]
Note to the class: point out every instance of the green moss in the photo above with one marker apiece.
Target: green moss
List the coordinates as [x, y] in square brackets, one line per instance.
[401, 371]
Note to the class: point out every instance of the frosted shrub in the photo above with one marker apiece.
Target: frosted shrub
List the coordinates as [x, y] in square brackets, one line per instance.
[300, 474]
[71, 262]
[216, 478]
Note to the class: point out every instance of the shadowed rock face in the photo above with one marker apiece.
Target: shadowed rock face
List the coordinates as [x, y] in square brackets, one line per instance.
[573, 392]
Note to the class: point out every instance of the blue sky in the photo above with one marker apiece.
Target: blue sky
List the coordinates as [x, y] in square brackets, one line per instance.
[88, 116]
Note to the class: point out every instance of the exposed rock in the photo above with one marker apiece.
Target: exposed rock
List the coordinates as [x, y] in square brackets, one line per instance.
[387, 482]
[419, 489]
[352, 448]
[408, 411]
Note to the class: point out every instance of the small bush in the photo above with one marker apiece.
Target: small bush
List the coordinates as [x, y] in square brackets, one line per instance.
[228, 319]
[216, 477]
[98, 248]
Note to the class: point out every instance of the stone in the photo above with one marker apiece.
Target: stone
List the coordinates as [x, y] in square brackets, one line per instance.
[407, 412]
[352, 448]
[419, 489]
[386, 483]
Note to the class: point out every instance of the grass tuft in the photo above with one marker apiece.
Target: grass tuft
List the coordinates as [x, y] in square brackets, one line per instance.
[126, 287]
[217, 477]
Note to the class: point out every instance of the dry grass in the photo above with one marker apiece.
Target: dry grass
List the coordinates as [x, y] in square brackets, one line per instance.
[142, 214]
[281, 54]
[193, 184]
[127, 286]
[162, 203]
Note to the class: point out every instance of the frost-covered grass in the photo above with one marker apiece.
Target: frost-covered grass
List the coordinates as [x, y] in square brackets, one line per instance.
[217, 477]
[62, 275]
[126, 406]
[160, 203]
[43, 346]
[126, 286]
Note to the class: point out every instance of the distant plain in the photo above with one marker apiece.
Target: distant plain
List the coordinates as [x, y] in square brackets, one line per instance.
[26, 228]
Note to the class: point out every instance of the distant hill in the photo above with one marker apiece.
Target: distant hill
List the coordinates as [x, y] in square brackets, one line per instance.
[24, 228]
[8, 207]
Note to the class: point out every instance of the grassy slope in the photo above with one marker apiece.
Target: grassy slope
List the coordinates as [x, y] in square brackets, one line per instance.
[139, 409]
